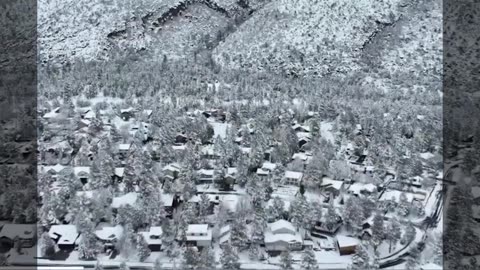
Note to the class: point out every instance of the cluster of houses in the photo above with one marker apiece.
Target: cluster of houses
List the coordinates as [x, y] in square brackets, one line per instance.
[280, 234]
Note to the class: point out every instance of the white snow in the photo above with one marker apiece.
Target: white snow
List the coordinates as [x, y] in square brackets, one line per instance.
[345, 241]
[293, 175]
[65, 234]
[220, 129]
[336, 184]
[282, 225]
[108, 233]
[124, 200]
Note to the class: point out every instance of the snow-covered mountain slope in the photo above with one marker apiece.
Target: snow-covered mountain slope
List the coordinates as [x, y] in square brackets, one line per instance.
[296, 37]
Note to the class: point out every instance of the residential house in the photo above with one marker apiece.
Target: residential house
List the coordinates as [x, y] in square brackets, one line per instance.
[124, 149]
[346, 244]
[293, 178]
[109, 235]
[127, 113]
[199, 235]
[82, 173]
[266, 169]
[331, 187]
[65, 236]
[208, 152]
[118, 174]
[206, 176]
[24, 233]
[153, 237]
[282, 235]
[172, 171]
[358, 189]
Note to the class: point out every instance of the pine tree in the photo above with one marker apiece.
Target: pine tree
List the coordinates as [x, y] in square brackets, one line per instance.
[87, 248]
[394, 233]
[229, 258]
[48, 246]
[298, 211]
[353, 214]
[409, 235]
[286, 260]
[124, 266]
[308, 260]
[207, 259]
[360, 259]
[143, 251]
[204, 206]
[239, 235]
[276, 210]
[157, 265]
[98, 266]
[378, 230]
[190, 258]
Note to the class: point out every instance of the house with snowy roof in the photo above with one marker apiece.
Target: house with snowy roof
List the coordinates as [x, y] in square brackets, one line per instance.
[109, 235]
[346, 244]
[124, 148]
[64, 235]
[172, 171]
[332, 187]
[153, 237]
[124, 200]
[24, 233]
[205, 176]
[82, 173]
[199, 235]
[127, 113]
[292, 178]
[358, 189]
[282, 235]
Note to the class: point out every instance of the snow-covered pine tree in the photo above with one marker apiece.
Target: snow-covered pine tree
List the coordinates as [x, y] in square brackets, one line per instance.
[409, 234]
[286, 260]
[157, 265]
[207, 259]
[48, 245]
[229, 258]
[98, 265]
[124, 266]
[143, 251]
[204, 206]
[191, 258]
[353, 214]
[298, 211]
[394, 233]
[378, 230]
[309, 262]
[239, 236]
[276, 210]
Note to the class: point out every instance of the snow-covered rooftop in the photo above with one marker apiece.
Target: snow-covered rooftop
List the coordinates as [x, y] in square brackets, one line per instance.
[293, 175]
[357, 187]
[281, 226]
[124, 146]
[65, 234]
[336, 184]
[153, 236]
[124, 200]
[108, 233]
[346, 241]
[119, 171]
